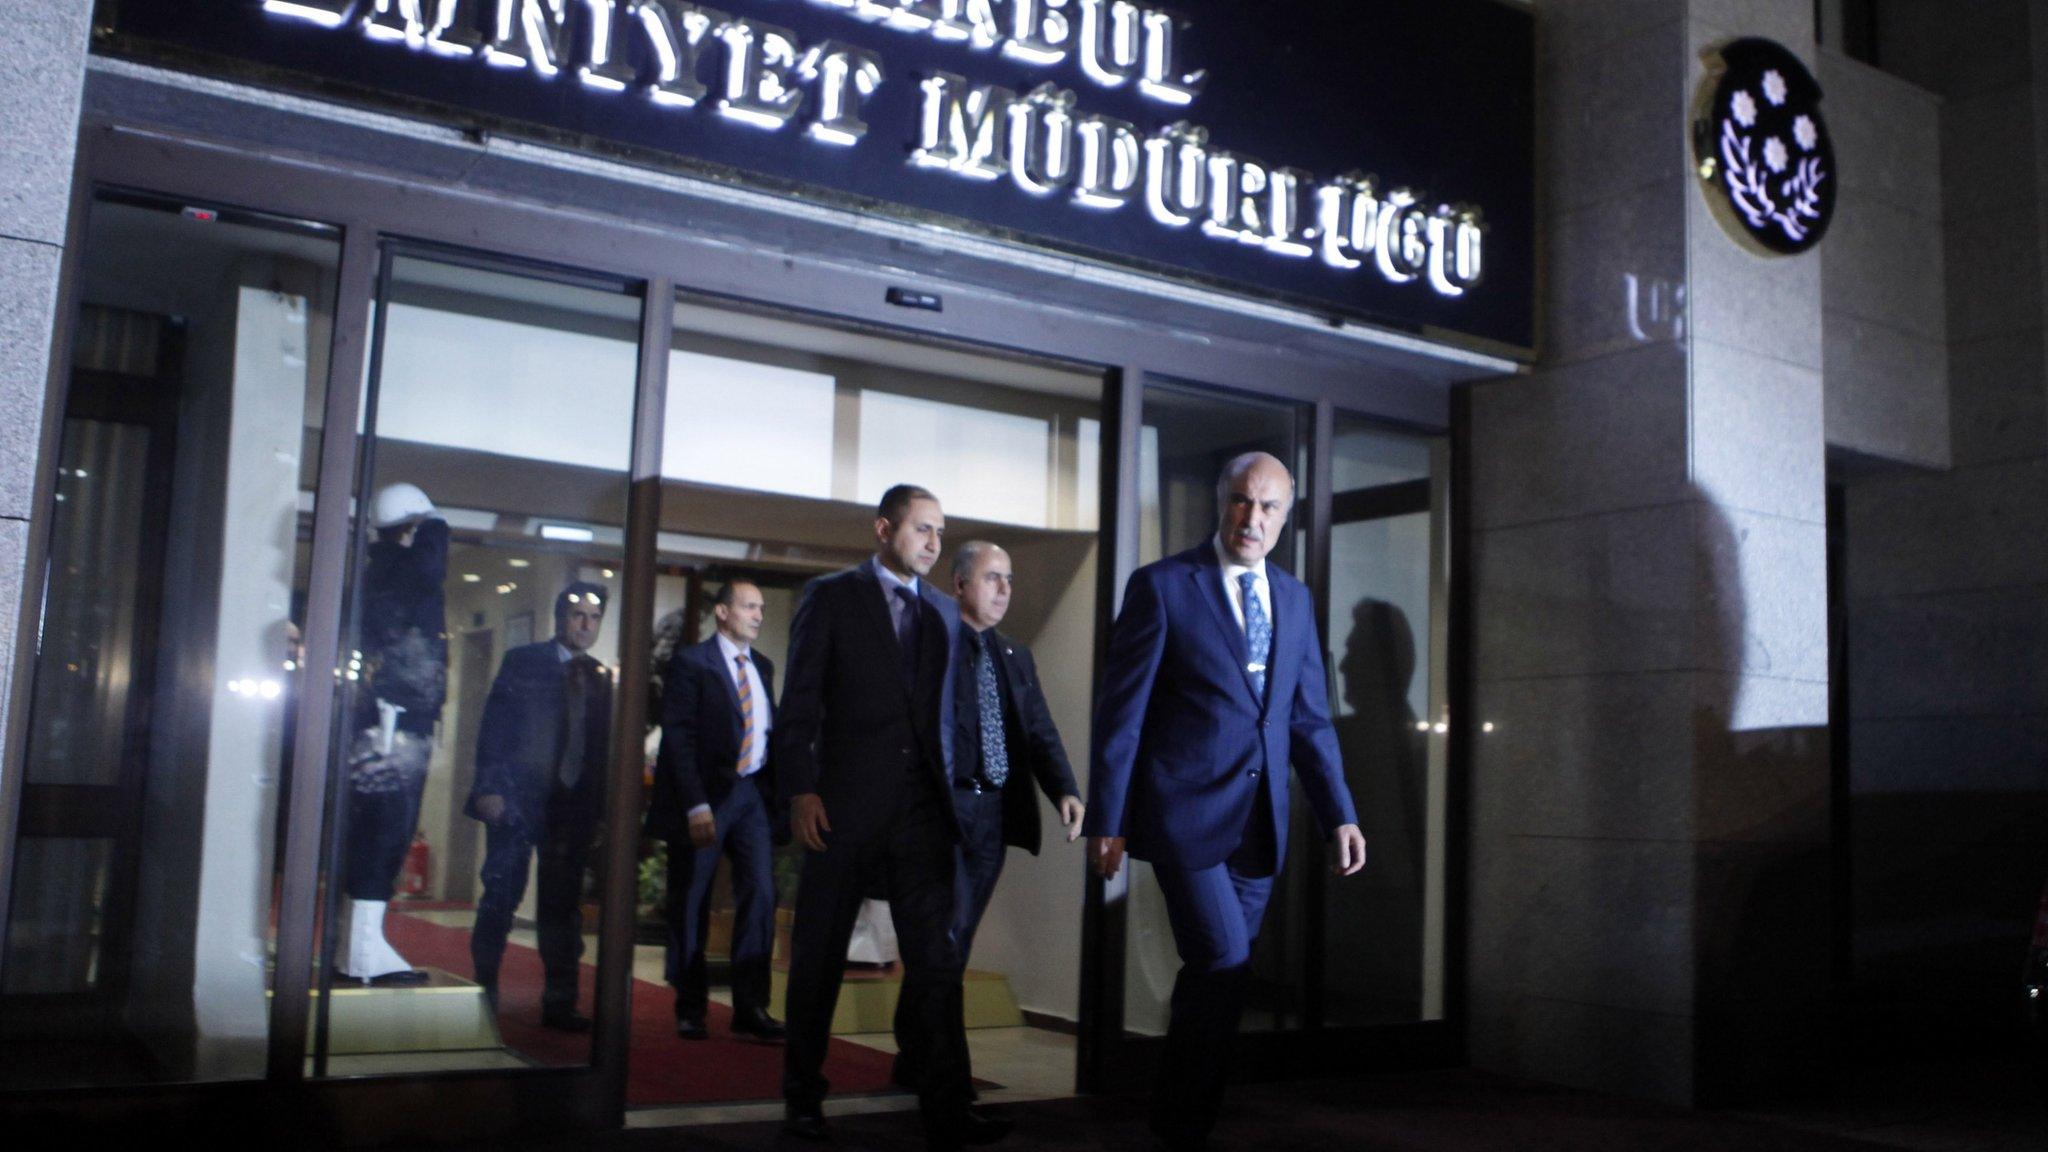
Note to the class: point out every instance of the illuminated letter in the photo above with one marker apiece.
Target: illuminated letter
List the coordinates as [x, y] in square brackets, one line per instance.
[1177, 173]
[1286, 227]
[326, 13]
[845, 75]
[455, 31]
[1109, 41]
[1347, 213]
[1042, 140]
[536, 26]
[607, 67]
[678, 32]
[1036, 32]
[1403, 240]
[1454, 237]
[977, 19]
[758, 60]
[1163, 79]
[968, 134]
[395, 20]
[1109, 159]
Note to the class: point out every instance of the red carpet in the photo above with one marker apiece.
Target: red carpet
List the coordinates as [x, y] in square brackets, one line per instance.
[661, 1068]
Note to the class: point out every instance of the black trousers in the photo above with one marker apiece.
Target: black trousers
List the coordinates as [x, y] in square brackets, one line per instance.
[981, 856]
[562, 837]
[913, 861]
[383, 809]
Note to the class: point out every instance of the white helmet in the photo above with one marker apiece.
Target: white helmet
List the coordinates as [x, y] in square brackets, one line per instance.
[399, 503]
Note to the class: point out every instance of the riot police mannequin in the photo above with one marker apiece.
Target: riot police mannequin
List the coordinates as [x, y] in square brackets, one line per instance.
[405, 665]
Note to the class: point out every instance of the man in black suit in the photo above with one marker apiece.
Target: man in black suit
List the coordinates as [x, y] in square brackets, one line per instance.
[1004, 740]
[714, 791]
[542, 751]
[863, 750]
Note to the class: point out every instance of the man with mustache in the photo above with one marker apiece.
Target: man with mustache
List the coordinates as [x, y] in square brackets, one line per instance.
[1213, 684]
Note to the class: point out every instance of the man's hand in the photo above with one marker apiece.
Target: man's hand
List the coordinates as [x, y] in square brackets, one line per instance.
[807, 821]
[703, 828]
[1071, 812]
[491, 808]
[1350, 850]
[1106, 853]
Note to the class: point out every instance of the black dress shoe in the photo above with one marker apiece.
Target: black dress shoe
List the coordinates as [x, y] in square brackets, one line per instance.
[564, 1020]
[1178, 1138]
[805, 1121]
[692, 1028]
[760, 1025]
[969, 1127]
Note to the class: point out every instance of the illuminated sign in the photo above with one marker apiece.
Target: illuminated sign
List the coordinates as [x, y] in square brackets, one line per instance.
[1110, 126]
[1765, 160]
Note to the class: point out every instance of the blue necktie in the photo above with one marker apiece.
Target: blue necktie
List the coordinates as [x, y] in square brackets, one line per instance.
[1258, 631]
[995, 756]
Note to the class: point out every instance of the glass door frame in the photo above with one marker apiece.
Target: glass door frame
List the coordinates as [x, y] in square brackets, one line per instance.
[989, 303]
[1111, 1059]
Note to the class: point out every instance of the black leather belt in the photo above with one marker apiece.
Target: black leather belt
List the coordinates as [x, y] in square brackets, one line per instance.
[976, 785]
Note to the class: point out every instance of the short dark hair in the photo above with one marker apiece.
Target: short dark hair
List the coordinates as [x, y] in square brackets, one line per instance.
[729, 589]
[581, 590]
[897, 500]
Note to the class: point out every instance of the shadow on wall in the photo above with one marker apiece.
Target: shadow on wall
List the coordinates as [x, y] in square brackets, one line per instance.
[1761, 913]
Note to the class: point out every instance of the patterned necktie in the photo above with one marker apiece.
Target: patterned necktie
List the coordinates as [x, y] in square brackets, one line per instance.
[906, 631]
[1258, 631]
[746, 687]
[575, 726]
[995, 755]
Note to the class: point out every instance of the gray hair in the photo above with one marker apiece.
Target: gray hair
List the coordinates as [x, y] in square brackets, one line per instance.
[968, 553]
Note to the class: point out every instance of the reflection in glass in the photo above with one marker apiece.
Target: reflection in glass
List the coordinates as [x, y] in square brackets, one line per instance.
[1385, 926]
[139, 939]
[473, 746]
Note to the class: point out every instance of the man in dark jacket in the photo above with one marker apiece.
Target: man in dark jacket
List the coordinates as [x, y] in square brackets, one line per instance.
[863, 749]
[542, 751]
[1004, 740]
[714, 792]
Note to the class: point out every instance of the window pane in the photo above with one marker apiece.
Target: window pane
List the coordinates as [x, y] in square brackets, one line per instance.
[1384, 960]
[473, 739]
[166, 669]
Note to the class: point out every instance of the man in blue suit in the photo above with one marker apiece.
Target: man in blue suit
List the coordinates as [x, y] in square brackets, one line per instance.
[542, 750]
[1213, 685]
[714, 790]
[863, 748]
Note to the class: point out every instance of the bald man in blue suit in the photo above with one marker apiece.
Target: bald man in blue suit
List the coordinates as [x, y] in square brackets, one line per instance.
[1214, 683]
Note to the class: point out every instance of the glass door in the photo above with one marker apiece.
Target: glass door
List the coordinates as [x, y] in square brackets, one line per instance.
[473, 734]
[1334, 955]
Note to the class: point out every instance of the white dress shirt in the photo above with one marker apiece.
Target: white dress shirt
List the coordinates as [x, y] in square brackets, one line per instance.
[890, 583]
[1231, 592]
[762, 721]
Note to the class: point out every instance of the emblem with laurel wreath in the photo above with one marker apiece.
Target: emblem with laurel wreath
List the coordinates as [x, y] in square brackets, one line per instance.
[1769, 151]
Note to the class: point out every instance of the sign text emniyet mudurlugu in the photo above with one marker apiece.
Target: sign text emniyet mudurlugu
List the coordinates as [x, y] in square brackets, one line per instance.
[1042, 140]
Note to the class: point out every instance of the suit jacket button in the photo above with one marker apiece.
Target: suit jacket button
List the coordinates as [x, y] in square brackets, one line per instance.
[1254, 773]
[1265, 723]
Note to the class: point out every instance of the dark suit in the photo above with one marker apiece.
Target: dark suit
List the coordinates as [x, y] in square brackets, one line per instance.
[701, 729]
[523, 753]
[868, 730]
[993, 818]
[1191, 767]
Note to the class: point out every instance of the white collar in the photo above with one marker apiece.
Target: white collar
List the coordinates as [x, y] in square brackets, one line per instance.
[731, 649]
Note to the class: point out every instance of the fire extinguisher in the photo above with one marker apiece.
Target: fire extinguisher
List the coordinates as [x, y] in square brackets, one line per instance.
[412, 879]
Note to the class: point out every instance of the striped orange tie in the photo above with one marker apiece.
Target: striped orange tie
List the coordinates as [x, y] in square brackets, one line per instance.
[746, 714]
